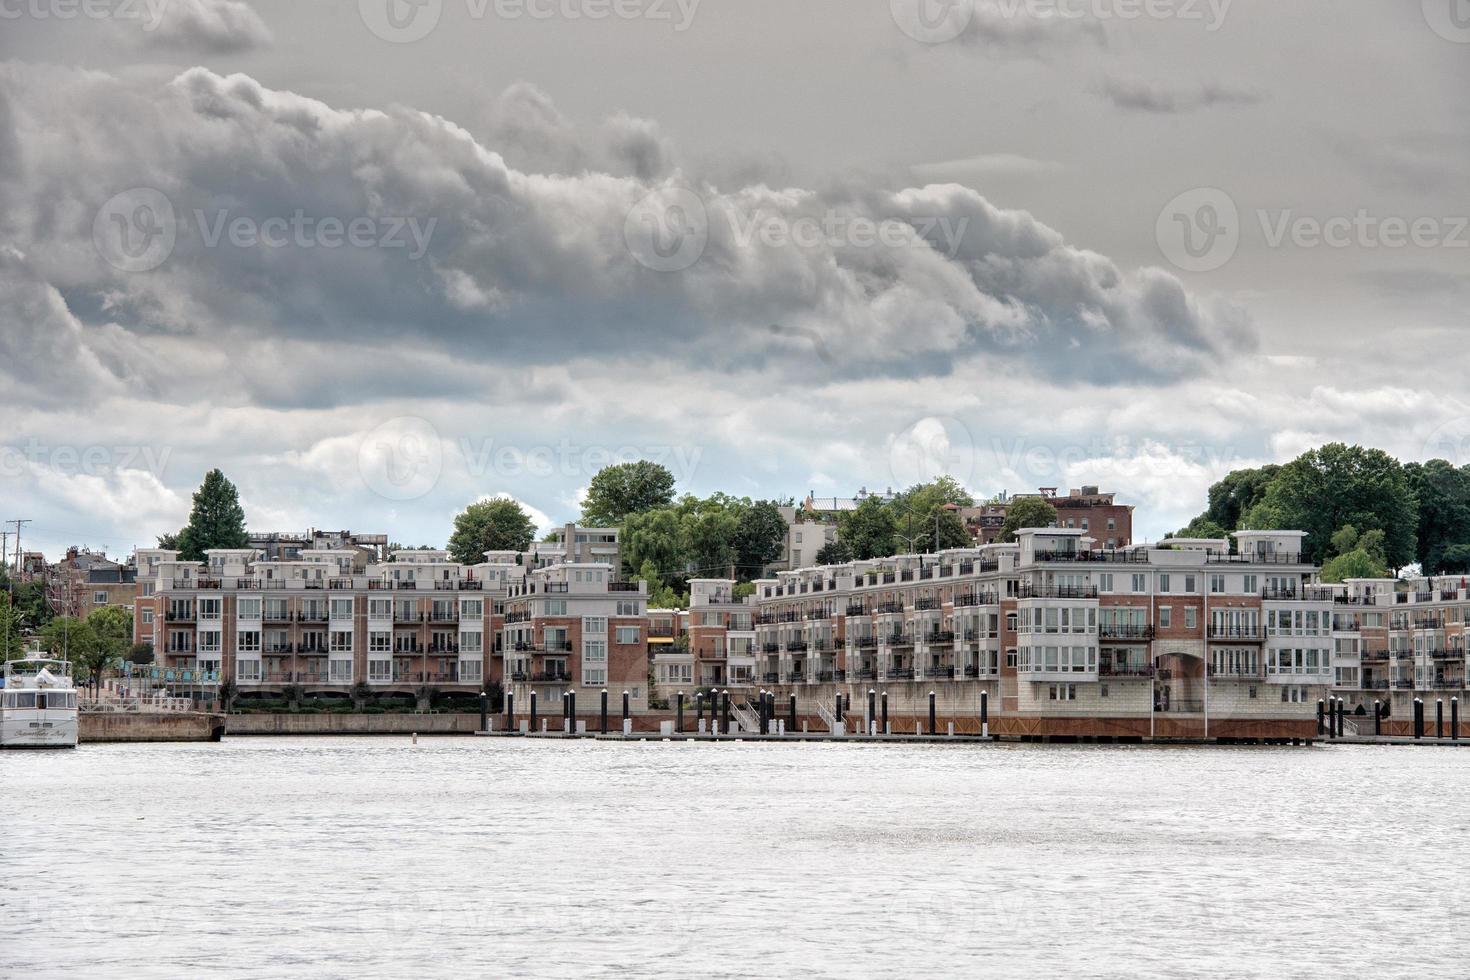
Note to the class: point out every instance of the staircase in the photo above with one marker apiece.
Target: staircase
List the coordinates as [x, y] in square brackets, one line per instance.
[746, 717]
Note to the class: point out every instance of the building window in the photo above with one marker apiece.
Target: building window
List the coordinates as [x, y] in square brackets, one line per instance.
[1217, 583]
[628, 607]
[248, 641]
[596, 625]
[471, 643]
[1189, 617]
[99, 598]
[594, 651]
[380, 670]
[147, 617]
[209, 608]
[340, 671]
[1164, 582]
[1166, 617]
[628, 635]
[247, 670]
[595, 678]
[380, 641]
[1138, 584]
[470, 670]
[555, 607]
[341, 641]
[341, 608]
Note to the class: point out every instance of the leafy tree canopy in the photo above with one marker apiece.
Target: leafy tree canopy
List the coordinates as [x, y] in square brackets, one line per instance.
[216, 521]
[1027, 512]
[498, 524]
[624, 489]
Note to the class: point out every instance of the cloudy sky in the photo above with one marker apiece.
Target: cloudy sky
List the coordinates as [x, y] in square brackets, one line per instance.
[378, 258]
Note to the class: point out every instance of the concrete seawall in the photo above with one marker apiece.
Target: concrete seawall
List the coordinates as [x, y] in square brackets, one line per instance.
[343, 724]
[176, 726]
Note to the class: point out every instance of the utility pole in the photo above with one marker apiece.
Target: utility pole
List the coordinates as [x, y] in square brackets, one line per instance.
[19, 555]
[4, 554]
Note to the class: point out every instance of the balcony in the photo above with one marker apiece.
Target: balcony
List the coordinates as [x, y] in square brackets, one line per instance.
[939, 673]
[1125, 631]
[1028, 591]
[1215, 558]
[470, 585]
[866, 674]
[1248, 673]
[551, 677]
[899, 674]
[868, 642]
[939, 636]
[179, 616]
[623, 586]
[898, 640]
[1243, 634]
[1380, 656]
[444, 617]
[857, 609]
[444, 648]
[796, 646]
[830, 676]
[1450, 654]
[977, 599]
[1125, 670]
[925, 604]
[796, 677]
[771, 677]
[888, 608]
[312, 616]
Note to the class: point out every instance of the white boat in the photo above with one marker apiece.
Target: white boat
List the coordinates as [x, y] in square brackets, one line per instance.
[38, 705]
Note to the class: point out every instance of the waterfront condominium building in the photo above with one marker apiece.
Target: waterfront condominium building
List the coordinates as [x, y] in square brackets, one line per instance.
[1186, 639]
[1397, 642]
[418, 622]
[575, 626]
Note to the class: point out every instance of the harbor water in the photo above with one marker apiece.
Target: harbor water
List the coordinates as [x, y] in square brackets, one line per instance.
[517, 857]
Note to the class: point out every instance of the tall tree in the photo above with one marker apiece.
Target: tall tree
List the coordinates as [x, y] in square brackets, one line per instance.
[1236, 494]
[950, 529]
[1027, 512]
[760, 538]
[626, 488]
[1443, 495]
[497, 524]
[77, 641]
[1325, 488]
[868, 529]
[834, 553]
[217, 520]
[654, 540]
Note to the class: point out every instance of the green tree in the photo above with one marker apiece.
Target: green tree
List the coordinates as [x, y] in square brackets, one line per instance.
[834, 553]
[655, 539]
[868, 530]
[760, 538]
[1456, 559]
[1239, 491]
[497, 524]
[11, 642]
[951, 530]
[216, 521]
[1326, 488]
[709, 531]
[1355, 564]
[1200, 527]
[660, 595]
[1027, 512]
[1443, 495]
[76, 640]
[624, 489]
